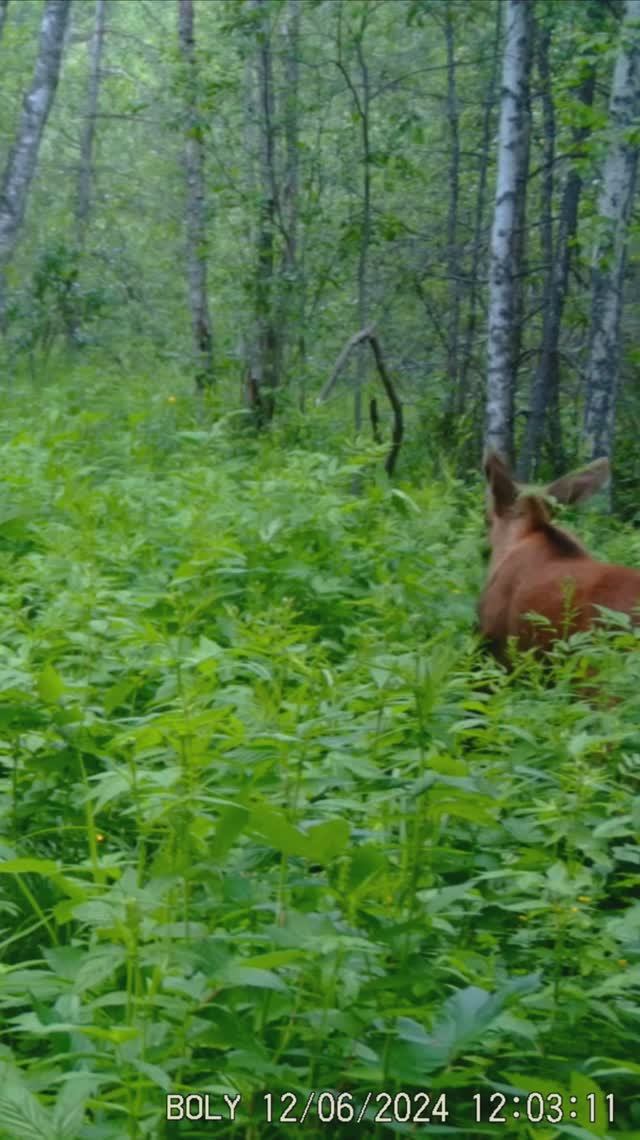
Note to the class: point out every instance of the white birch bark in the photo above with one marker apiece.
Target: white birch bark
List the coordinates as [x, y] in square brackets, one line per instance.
[23, 156]
[505, 243]
[614, 209]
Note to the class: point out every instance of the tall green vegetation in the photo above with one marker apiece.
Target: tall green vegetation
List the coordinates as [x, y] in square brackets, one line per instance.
[269, 822]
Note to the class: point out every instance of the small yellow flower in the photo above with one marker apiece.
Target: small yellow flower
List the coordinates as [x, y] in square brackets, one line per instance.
[99, 837]
[622, 962]
[171, 399]
[584, 898]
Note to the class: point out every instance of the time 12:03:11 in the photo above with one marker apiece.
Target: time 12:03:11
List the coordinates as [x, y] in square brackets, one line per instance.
[553, 1108]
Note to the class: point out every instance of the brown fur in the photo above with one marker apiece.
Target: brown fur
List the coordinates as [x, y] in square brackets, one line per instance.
[539, 568]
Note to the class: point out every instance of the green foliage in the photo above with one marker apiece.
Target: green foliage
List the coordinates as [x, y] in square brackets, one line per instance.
[270, 821]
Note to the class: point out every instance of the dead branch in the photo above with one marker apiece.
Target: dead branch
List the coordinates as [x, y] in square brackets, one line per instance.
[371, 335]
[375, 420]
[357, 338]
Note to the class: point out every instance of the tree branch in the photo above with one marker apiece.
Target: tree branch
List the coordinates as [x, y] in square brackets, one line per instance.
[370, 334]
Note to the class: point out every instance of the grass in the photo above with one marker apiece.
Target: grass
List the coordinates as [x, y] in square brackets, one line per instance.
[270, 821]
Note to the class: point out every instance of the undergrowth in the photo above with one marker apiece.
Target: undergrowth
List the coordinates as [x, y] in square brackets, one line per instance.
[271, 823]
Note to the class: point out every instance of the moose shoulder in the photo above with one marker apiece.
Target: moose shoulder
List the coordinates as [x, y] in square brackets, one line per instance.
[538, 568]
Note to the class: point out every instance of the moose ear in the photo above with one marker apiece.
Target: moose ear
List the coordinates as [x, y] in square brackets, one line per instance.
[504, 491]
[578, 486]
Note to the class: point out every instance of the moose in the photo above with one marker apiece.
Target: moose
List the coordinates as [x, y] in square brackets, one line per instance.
[542, 583]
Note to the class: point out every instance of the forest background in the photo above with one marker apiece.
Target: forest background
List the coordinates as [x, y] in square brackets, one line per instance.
[270, 822]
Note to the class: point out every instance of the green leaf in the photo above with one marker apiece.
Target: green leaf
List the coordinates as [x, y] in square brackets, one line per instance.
[50, 685]
[27, 866]
[327, 840]
[272, 825]
[70, 1106]
[231, 823]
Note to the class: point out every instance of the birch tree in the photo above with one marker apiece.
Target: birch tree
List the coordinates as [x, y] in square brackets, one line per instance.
[23, 156]
[506, 243]
[614, 211]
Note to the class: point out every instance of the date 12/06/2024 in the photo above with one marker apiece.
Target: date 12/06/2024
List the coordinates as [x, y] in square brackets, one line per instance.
[417, 1108]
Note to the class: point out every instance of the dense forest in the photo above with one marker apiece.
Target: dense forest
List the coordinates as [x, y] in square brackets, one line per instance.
[281, 845]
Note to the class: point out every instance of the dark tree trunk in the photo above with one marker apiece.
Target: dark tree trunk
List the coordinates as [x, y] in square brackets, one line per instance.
[453, 262]
[478, 222]
[360, 91]
[85, 173]
[291, 303]
[614, 209]
[266, 363]
[4, 4]
[196, 221]
[545, 392]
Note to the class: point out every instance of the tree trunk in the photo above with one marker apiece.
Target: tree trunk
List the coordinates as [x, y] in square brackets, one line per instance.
[506, 241]
[196, 221]
[545, 391]
[614, 210]
[361, 96]
[268, 342]
[478, 223]
[365, 229]
[85, 172]
[529, 451]
[4, 4]
[291, 306]
[23, 156]
[453, 267]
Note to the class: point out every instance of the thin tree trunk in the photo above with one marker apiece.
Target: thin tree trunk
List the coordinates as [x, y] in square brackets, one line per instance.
[365, 230]
[290, 320]
[85, 172]
[4, 4]
[545, 392]
[453, 266]
[520, 252]
[23, 156]
[362, 105]
[614, 210]
[529, 451]
[506, 243]
[268, 343]
[478, 224]
[196, 222]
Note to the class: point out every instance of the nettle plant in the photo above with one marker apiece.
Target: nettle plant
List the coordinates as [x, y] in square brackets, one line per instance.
[270, 820]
